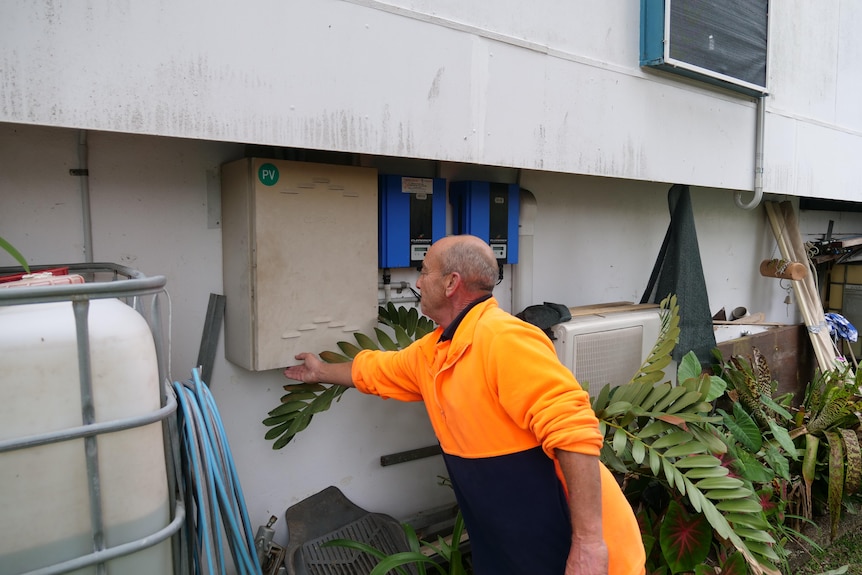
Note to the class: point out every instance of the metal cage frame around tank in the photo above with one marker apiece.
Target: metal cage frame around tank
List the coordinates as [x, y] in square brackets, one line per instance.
[139, 292]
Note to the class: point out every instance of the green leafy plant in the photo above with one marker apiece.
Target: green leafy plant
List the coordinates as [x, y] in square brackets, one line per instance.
[761, 450]
[782, 453]
[304, 400]
[15, 254]
[830, 411]
[668, 434]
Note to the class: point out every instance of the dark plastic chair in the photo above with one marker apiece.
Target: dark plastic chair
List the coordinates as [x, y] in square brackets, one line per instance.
[329, 515]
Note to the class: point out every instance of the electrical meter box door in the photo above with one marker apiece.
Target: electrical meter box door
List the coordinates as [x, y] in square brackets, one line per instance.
[299, 244]
[412, 217]
[489, 211]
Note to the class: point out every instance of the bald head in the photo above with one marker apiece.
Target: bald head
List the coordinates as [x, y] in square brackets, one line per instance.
[472, 258]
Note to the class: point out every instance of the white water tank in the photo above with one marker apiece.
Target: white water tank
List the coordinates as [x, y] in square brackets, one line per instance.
[45, 502]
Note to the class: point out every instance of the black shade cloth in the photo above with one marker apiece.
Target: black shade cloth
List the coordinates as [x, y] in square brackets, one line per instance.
[678, 270]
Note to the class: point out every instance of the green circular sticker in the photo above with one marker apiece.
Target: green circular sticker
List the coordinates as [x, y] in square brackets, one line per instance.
[268, 174]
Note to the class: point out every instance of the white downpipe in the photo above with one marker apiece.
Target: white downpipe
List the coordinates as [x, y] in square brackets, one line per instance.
[758, 160]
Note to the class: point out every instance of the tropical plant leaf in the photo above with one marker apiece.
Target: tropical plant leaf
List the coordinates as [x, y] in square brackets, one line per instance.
[724, 494]
[611, 459]
[718, 482]
[348, 349]
[853, 461]
[669, 474]
[674, 394]
[739, 506]
[754, 534]
[706, 472]
[303, 387]
[299, 423]
[775, 407]
[743, 428]
[332, 357]
[401, 336]
[698, 461]
[717, 387]
[688, 448]
[10, 249]
[620, 441]
[285, 408]
[277, 430]
[755, 521]
[666, 341]
[654, 462]
[777, 461]
[424, 327]
[658, 392]
[749, 467]
[783, 437]
[638, 451]
[616, 408]
[296, 395]
[672, 439]
[734, 565]
[385, 341]
[602, 398]
[654, 428]
[689, 367]
[412, 321]
[709, 437]
[836, 480]
[364, 341]
[687, 399]
[685, 539]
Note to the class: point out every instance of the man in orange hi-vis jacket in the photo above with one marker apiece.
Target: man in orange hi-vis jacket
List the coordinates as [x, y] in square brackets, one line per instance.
[519, 438]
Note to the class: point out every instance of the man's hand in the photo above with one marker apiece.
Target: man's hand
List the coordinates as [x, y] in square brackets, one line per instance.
[587, 558]
[313, 370]
[306, 372]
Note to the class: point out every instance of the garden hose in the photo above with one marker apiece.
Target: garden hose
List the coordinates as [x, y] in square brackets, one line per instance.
[208, 478]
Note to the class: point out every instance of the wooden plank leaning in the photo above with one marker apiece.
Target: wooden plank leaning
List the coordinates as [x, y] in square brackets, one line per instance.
[786, 231]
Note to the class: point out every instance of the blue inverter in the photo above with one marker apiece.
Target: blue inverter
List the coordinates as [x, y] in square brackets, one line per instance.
[490, 211]
[412, 217]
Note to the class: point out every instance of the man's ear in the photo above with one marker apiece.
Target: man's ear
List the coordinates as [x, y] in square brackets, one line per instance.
[453, 282]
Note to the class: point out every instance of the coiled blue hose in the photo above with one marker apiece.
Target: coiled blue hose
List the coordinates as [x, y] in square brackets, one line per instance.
[211, 485]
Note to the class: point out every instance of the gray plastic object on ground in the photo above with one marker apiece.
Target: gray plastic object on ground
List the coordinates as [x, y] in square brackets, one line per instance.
[330, 515]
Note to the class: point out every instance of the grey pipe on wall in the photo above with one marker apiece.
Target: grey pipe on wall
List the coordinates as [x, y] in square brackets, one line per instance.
[83, 172]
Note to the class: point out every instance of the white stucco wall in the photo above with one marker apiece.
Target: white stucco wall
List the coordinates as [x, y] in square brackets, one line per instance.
[554, 87]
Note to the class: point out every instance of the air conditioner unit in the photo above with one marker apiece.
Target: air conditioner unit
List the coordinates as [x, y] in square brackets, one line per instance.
[722, 42]
[607, 348]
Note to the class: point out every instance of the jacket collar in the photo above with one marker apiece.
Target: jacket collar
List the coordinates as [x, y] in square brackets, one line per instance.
[463, 336]
[449, 332]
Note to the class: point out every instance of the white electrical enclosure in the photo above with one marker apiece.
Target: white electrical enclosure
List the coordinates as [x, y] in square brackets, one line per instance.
[607, 348]
[299, 243]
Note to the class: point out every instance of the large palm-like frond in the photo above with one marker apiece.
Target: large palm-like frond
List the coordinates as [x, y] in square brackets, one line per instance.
[304, 400]
[655, 428]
